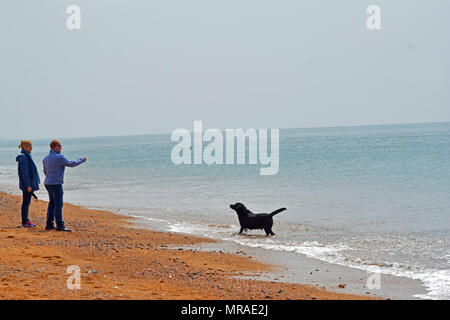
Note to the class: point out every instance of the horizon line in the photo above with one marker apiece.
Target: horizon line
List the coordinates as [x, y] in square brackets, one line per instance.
[290, 128]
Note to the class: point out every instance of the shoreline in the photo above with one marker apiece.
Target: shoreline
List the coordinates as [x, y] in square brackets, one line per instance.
[298, 268]
[120, 260]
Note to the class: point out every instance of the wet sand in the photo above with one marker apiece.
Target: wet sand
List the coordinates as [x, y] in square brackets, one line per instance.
[120, 260]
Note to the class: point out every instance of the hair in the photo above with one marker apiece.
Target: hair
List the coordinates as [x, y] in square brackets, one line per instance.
[25, 143]
[54, 143]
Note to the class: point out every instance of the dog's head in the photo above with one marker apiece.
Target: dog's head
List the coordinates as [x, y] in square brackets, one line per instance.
[239, 208]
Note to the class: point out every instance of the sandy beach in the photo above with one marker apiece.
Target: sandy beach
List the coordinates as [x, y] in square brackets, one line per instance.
[118, 260]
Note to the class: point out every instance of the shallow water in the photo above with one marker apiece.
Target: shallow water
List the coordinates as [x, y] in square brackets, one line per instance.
[373, 198]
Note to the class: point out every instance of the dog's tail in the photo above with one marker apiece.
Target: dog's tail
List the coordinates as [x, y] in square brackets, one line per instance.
[277, 211]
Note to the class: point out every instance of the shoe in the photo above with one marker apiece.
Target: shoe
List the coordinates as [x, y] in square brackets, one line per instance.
[63, 229]
[50, 228]
[28, 225]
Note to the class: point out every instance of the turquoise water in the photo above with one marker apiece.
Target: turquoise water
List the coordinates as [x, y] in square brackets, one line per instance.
[375, 198]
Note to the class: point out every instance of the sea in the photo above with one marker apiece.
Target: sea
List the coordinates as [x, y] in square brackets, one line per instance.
[373, 198]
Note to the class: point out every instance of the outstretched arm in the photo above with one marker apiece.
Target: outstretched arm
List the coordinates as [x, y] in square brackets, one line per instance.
[67, 163]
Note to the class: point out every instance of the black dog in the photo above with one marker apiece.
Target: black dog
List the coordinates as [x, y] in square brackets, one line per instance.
[250, 220]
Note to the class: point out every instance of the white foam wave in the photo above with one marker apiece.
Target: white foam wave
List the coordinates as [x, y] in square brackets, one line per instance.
[436, 282]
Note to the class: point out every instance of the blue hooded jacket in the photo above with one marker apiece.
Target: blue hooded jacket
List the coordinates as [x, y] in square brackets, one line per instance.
[28, 173]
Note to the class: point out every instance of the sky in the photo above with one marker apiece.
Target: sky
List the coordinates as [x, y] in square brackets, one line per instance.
[151, 66]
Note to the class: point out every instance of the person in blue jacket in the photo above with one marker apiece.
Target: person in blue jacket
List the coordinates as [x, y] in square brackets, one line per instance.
[54, 166]
[28, 179]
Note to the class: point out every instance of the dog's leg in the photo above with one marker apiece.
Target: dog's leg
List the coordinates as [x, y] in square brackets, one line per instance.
[242, 229]
[269, 231]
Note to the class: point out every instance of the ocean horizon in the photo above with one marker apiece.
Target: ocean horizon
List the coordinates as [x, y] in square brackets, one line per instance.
[372, 197]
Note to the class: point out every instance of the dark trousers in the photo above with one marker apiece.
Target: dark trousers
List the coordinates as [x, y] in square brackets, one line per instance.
[55, 205]
[26, 200]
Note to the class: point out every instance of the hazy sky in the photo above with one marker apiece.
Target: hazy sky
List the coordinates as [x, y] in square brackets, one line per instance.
[148, 66]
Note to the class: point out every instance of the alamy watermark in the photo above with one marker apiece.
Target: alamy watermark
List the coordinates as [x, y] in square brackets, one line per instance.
[73, 21]
[373, 281]
[230, 149]
[374, 20]
[74, 280]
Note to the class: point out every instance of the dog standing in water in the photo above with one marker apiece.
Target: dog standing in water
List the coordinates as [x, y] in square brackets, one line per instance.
[250, 220]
